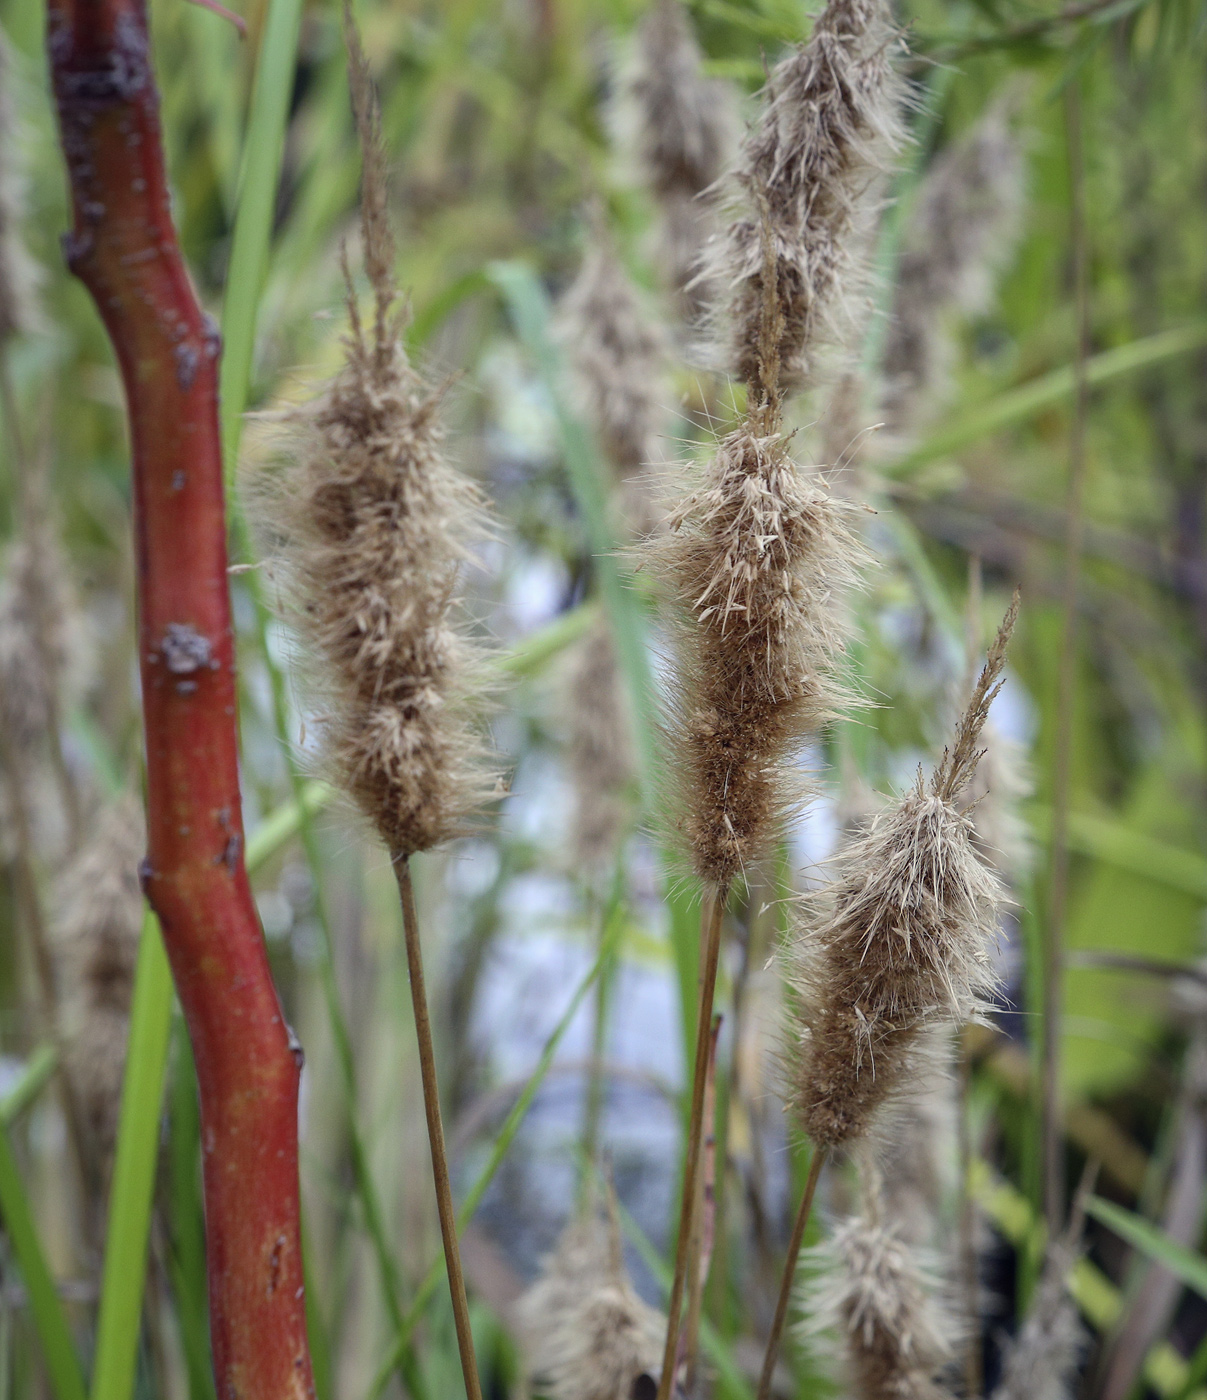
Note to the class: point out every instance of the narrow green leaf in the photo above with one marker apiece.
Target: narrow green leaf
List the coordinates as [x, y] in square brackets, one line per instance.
[511, 1126]
[529, 308]
[1110, 840]
[58, 1349]
[130, 1196]
[34, 1077]
[1017, 405]
[283, 823]
[1149, 1239]
[261, 173]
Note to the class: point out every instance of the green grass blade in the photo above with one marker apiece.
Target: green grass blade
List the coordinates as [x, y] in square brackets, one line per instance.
[529, 309]
[262, 151]
[283, 823]
[58, 1349]
[1185, 1264]
[34, 1077]
[134, 1171]
[1111, 841]
[1017, 405]
[511, 1126]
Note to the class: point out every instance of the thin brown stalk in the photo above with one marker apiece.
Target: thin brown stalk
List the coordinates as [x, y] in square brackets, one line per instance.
[788, 1277]
[711, 915]
[706, 1215]
[435, 1130]
[1066, 684]
[969, 1271]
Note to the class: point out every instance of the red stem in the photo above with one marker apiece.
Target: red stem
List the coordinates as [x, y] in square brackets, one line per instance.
[124, 249]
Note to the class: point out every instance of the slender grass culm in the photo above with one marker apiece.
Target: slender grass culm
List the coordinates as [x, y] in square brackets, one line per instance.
[375, 525]
[759, 555]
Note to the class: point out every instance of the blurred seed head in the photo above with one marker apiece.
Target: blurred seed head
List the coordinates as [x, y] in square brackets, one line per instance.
[95, 938]
[684, 127]
[19, 274]
[586, 1333]
[1043, 1360]
[617, 358]
[959, 236]
[877, 1295]
[599, 751]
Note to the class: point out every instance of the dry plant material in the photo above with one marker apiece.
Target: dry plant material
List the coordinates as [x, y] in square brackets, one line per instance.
[95, 939]
[377, 527]
[900, 942]
[685, 125]
[586, 1333]
[617, 360]
[19, 276]
[755, 562]
[1042, 1361]
[958, 238]
[813, 165]
[894, 1338]
[599, 751]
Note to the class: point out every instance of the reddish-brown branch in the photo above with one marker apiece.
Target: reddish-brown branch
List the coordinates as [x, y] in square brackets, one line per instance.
[124, 249]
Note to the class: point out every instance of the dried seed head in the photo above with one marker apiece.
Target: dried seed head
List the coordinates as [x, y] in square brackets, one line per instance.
[1042, 1361]
[916, 1147]
[373, 526]
[686, 120]
[900, 942]
[755, 564]
[895, 1338]
[41, 639]
[599, 751]
[587, 1335]
[617, 359]
[19, 275]
[959, 236]
[685, 129]
[95, 940]
[828, 132]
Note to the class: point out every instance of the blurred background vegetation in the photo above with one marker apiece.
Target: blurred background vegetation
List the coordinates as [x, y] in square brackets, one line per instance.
[504, 126]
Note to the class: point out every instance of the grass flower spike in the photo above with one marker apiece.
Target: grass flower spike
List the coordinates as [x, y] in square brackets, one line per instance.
[828, 133]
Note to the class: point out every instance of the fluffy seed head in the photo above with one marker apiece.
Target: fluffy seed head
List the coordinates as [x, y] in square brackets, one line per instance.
[599, 750]
[617, 359]
[958, 238]
[898, 943]
[756, 559]
[373, 526]
[1043, 1360]
[828, 132]
[587, 1335]
[41, 641]
[18, 272]
[999, 787]
[895, 1339]
[685, 119]
[916, 1146]
[95, 941]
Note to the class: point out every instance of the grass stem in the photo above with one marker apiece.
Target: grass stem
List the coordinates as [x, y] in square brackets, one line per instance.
[435, 1129]
[789, 1275]
[711, 915]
